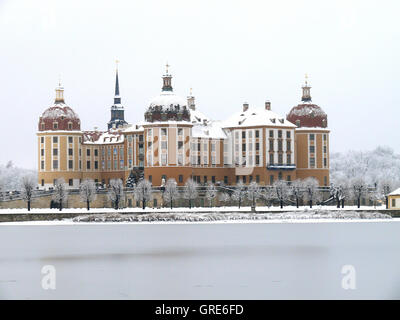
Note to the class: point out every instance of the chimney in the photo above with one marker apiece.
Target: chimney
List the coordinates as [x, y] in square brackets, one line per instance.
[245, 106]
[267, 105]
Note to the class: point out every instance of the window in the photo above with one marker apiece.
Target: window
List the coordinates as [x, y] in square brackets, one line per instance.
[225, 179]
[279, 145]
[205, 179]
[180, 159]
[163, 159]
[257, 160]
[80, 165]
[243, 147]
[180, 145]
[115, 165]
[271, 159]
[42, 182]
[180, 178]
[250, 134]
[213, 160]
[312, 162]
[324, 149]
[88, 152]
[236, 147]
[271, 145]
[271, 179]
[150, 179]
[213, 179]
[150, 132]
[70, 152]
[109, 164]
[280, 159]
[96, 165]
[96, 152]
[70, 182]
[312, 137]
[289, 178]
[213, 146]
[55, 164]
[140, 138]
[279, 133]
[42, 165]
[70, 139]
[288, 146]
[324, 137]
[393, 203]
[69, 126]
[164, 177]
[115, 151]
[244, 179]
[257, 146]
[257, 133]
[271, 133]
[325, 162]
[237, 179]
[288, 159]
[55, 139]
[42, 152]
[163, 131]
[250, 179]
[55, 125]
[257, 178]
[280, 176]
[312, 149]
[288, 134]
[243, 134]
[180, 131]
[121, 153]
[41, 139]
[205, 158]
[55, 152]
[121, 164]
[88, 165]
[70, 164]
[325, 181]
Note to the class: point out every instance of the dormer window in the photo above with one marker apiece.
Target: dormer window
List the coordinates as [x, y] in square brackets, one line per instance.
[42, 126]
[55, 125]
[273, 120]
[298, 123]
[69, 125]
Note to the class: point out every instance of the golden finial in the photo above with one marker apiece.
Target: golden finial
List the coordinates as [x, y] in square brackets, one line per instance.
[167, 66]
[306, 76]
[116, 63]
[191, 91]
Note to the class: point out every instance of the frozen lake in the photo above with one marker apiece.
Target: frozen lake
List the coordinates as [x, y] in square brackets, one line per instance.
[262, 260]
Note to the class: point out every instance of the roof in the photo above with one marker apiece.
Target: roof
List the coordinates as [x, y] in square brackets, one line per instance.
[395, 192]
[256, 117]
[99, 137]
[167, 99]
[212, 129]
[197, 117]
[59, 110]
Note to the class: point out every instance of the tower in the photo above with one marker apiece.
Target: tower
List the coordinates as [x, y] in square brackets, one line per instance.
[117, 109]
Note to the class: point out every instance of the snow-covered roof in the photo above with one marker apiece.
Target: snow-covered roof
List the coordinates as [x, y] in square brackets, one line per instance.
[167, 99]
[130, 128]
[312, 129]
[59, 110]
[98, 137]
[305, 109]
[395, 192]
[212, 129]
[197, 117]
[256, 117]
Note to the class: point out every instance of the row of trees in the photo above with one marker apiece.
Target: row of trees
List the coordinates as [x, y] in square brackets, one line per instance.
[306, 191]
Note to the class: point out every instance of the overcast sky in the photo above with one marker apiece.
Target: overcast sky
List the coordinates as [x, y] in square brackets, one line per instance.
[229, 52]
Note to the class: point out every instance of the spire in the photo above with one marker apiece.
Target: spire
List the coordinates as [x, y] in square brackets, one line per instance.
[190, 101]
[306, 91]
[167, 86]
[59, 92]
[117, 98]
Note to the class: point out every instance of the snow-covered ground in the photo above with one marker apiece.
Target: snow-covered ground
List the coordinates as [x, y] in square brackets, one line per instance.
[185, 209]
[252, 260]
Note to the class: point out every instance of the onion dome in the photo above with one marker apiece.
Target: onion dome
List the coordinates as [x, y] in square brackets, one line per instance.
[59, 116]
[167, 106]
[307, 114]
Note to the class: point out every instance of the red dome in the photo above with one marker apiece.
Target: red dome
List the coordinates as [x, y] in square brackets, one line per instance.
[59, 117]
[308, 115]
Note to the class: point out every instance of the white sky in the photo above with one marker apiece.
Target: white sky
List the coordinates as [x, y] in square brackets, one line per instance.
[228, 51]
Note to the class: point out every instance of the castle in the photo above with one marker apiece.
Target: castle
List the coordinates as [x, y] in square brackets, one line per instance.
[176, 140]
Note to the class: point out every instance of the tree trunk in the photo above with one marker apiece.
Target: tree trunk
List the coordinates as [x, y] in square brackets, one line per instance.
[143, 204]
[240, 202]
[358, 202]
[171, 204]
[338, 203]
[342, 203]
[60, 206]
[190, 203]
[297, 202]
[311, 204]
[281, 201]
[87, 205]
[387, 202]
[29, 205]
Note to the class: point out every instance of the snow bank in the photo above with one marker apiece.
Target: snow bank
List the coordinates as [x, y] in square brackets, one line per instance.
[219, 216]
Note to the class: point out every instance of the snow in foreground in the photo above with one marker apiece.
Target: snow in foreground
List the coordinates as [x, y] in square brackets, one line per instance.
[219, 216]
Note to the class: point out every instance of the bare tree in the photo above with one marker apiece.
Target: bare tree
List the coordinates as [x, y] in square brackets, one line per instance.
[190, 191]
[87, 191]
[269, 195]
[240, 193]
[224, 197]
[282, 191]
[358, 189]
[311, 192]
[171, 192]
[296, 190]
[143, 192]
[211, 193]
[253, 193]
[60, 192]
[116, 192]
[28, 186]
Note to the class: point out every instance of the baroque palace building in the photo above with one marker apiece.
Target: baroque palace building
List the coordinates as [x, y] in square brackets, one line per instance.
[176, 140]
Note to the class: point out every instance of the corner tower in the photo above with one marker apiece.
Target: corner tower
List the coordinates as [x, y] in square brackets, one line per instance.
[117, 109]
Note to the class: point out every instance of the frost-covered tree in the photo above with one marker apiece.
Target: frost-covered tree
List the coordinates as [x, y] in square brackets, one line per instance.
[281, 190]
[28, 187]
[143, 192]
[253, 193]
[358, 189]
[386, 185]
[311, 191]
[240, 193]
[190, 192]
[224, 197]
[211, 193]
[116, 192]
[87, 192]
[296, 190]
[171, 192]
[60, 192]
[375, 195]
[130, 182]
[269, 195]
